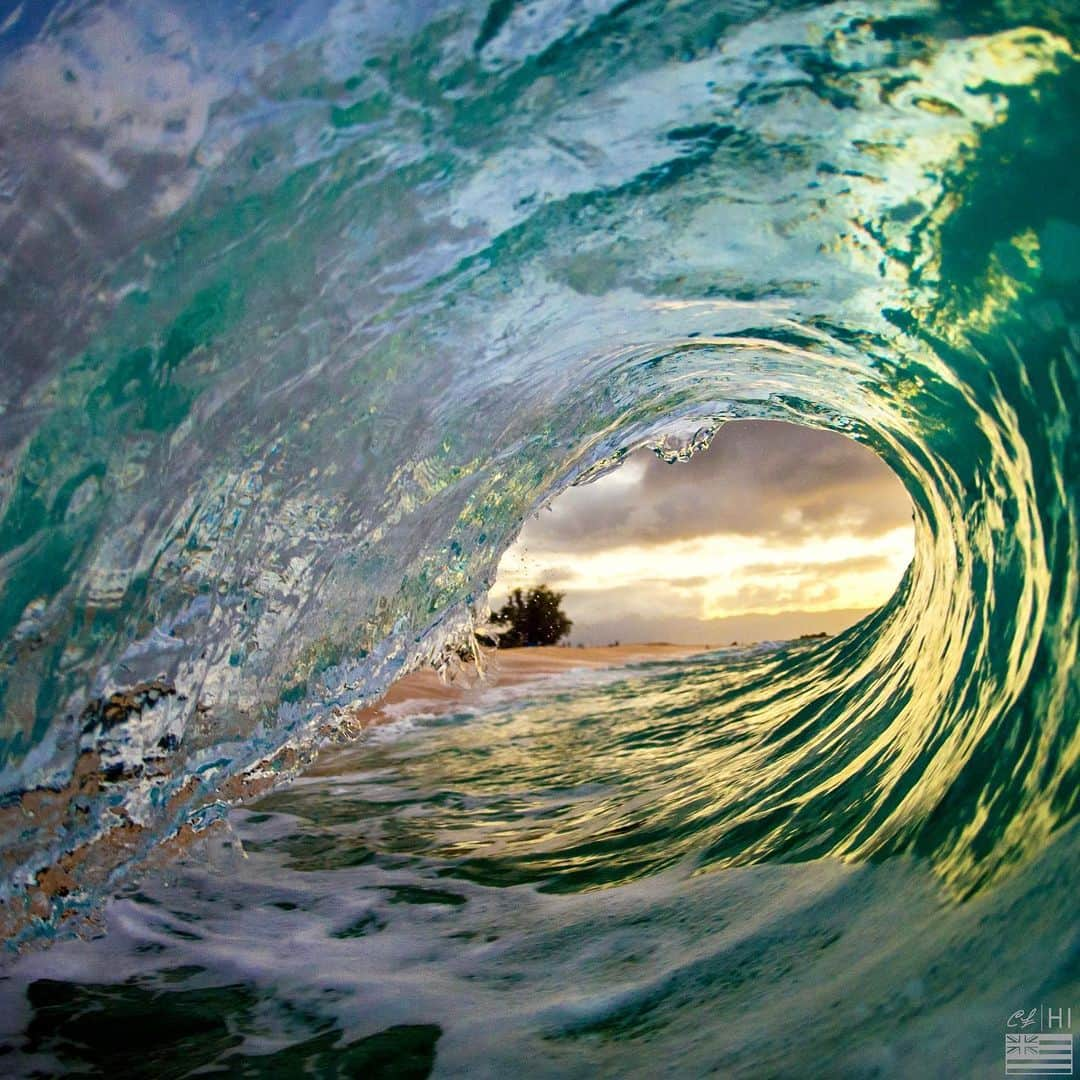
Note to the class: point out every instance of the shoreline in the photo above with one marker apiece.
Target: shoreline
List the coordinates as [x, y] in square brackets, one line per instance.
[512, 667]
[424, 690]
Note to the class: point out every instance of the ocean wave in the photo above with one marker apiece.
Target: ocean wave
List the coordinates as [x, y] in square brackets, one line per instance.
[305, 311]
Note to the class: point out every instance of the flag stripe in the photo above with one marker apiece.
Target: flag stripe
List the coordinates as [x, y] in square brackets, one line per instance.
[1024, 1051]
[1039, 1061]
[1039, 1053]
[1039, 1066]
[1035, 1061]
[1042, 1055]
[1062, 1036]
[1039, 1040]
[1035, 1068]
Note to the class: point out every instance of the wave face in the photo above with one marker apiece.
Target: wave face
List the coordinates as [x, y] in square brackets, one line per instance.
[306, 307]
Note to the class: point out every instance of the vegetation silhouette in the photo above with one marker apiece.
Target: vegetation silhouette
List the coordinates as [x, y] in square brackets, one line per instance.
[532, 618]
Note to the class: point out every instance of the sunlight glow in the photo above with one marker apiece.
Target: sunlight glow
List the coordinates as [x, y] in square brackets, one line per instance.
[731, 575]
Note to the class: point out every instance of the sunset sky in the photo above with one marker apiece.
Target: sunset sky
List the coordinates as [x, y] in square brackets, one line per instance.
[773, 532]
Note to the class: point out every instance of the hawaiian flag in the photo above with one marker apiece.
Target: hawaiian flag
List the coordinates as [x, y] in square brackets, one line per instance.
[1039, 1055]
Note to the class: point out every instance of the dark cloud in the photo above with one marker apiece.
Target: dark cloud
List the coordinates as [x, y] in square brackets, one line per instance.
[554, 575]
[760, 478]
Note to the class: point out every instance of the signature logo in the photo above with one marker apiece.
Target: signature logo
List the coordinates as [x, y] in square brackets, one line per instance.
[1018, 1019]
[1045, 1052]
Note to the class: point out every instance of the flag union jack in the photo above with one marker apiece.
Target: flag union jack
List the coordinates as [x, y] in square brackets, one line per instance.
[1021, 1045]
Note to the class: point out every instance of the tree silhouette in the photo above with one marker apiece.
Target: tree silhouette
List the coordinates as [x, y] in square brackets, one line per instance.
[532, 618]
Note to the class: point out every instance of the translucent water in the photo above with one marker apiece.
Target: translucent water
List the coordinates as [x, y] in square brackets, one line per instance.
[305, 307]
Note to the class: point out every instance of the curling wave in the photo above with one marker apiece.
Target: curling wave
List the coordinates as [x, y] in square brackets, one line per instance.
[305, 311]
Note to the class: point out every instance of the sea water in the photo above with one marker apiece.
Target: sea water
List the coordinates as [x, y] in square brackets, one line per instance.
[543, 886]
[306, 307]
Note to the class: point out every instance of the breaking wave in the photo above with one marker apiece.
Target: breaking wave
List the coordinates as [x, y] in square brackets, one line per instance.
[307, 307]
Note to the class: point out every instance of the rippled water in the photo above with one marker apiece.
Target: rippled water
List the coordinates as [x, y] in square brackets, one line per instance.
[305, 307]
[533, 887]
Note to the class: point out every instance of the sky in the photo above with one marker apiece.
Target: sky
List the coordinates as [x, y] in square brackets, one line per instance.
[772, 532]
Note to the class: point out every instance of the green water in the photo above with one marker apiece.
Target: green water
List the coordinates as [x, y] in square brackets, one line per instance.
[544, 885]
[306, 307]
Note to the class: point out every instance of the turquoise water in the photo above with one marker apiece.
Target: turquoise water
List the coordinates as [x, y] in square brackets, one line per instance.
[306, 307]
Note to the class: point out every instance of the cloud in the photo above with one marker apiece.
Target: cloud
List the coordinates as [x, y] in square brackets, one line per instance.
[859, 564]
[557, 575]
[777, 526]
[605, 587]
[764, 479]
